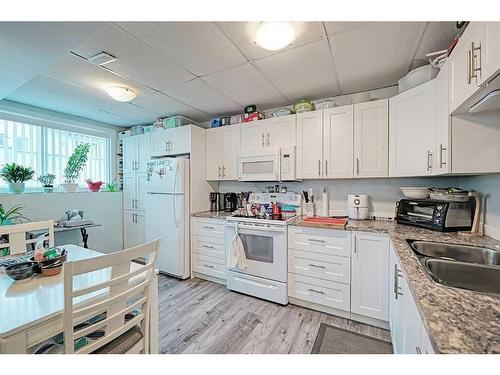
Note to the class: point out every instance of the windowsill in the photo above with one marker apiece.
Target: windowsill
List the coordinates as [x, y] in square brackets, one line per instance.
[34, 192]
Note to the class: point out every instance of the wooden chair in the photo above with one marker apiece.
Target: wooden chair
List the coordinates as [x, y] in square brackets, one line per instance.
[126, 291]
[17, 233]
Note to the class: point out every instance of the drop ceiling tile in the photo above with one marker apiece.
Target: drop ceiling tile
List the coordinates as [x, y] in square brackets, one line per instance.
[246, 85]
[135, 60]
[163, 105]
[339, 27]
[200, 47]
[437, 36]
[201, 96]
[81, 72]
[373, 55]
[243, 35]
[303, 72]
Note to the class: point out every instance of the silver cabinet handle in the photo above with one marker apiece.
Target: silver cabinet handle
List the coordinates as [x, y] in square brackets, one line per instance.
[357, 166]
[319, 168]
[469, 67]
[475, 69]
[262, 139]
[223, 171]
[316, 266]
[396, 281]
[441, 159]
[208, 266]
[207, 227]
[208, 247]
[326, 168]
[429, 160]
[316, 291]
[355, 246]
[418, 350]
[315, 240]
[268, 139]
[133, 218]
[219, 172]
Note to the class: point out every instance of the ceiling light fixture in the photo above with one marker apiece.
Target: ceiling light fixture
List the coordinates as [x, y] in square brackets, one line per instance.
[120, 93]
[274, 35]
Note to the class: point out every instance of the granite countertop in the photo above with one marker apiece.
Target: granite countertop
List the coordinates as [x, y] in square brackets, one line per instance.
[457, 320]
[212, 214]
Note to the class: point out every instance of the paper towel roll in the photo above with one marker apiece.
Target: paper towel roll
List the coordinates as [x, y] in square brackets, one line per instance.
[325, 207]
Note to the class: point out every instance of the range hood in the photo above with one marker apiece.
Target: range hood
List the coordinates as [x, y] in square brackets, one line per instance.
[487, 99]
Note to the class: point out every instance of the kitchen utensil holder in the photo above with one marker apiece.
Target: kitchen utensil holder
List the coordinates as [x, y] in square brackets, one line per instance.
[310, 209]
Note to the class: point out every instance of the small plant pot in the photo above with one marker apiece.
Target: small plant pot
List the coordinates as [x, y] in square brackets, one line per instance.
[48, 189]
[16, 187]
[70, 188]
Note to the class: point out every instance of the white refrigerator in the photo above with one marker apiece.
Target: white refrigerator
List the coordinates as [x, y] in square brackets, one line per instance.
[167, 213]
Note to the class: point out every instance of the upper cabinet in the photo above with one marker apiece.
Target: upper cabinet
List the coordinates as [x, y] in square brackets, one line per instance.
[309, 145]
[275, 132]
[136, 153]
[413, 120]
[222, 146]
[371, 138]
[492, 54]
[174, 141]
[338, 143]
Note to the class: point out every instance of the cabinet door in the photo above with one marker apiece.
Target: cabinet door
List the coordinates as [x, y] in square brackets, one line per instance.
[309, 144]
[280, 131]
[491, 56]
[371, 138]
[412, 124]
[180, 140]
[143, 152]
[213, 153]
[129, 229]
[369, 276]
[140, 228]
[396, 315]
[129, 191]
[412, 324]
[230, 149]
[253, 136]
[159, 142]
[129, 155]
[140, 191]
[442, 159]
[338, 136]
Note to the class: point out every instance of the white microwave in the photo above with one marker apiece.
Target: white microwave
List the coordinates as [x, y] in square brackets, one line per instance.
[267, 165]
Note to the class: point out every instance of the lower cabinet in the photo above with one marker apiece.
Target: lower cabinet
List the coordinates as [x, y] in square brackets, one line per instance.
[134, 228]
[370, 275]
[408, 333]
[208, 254]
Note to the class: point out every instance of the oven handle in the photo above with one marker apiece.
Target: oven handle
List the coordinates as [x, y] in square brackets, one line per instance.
[259, 228]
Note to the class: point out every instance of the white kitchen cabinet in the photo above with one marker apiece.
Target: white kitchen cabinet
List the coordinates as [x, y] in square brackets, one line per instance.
[492, 55]
[371, 138]
[134, 192]
[309, 145]
[274, 132]
[370, 275]
[413, 120]
[134, 227]
[222, 147]
[396, 312]
[174, 141]
[338, 142]
[442, 149]
[136, 153]
[467, 64]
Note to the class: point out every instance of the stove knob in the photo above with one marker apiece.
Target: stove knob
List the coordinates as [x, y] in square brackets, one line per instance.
[439, 208]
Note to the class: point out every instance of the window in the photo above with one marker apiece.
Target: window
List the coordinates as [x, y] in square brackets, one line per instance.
[47, 150]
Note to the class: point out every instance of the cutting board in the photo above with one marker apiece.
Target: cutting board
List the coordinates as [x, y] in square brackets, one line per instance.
[325, 222]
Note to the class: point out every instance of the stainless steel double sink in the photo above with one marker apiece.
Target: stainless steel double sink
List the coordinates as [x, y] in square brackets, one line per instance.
[460, 266]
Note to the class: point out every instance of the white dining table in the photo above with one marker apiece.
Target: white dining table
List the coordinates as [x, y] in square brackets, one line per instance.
[32, 310]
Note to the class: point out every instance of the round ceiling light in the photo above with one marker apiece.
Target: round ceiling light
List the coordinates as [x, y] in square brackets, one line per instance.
[120, 93]
[274, 35]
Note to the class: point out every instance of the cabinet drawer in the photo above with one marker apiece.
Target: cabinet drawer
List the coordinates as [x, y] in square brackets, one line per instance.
[327, 293]
[209, 228]
[205, 246]
[327, 267]
[209, 266]
[324, 241]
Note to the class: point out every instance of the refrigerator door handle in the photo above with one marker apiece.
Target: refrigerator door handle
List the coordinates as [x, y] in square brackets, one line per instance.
[174, 200]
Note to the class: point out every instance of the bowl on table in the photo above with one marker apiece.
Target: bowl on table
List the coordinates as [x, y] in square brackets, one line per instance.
[62, 257]
[21, 271]
[52, 269]
[415, 192]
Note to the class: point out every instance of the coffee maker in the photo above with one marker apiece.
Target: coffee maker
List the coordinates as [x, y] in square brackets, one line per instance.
[230, 202]
[216, 201]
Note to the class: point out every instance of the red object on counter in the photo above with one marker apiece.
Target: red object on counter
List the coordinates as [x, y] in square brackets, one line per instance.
[325, 220]
[276, 211]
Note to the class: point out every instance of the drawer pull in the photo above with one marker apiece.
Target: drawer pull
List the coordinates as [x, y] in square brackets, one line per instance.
[315, 240]
[316, 291]
[208, 247]
[208, 266]
[207, 227]
[316, 266]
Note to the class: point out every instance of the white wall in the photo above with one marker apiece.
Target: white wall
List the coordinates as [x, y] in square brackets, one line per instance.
[102, 208]
[383, 192]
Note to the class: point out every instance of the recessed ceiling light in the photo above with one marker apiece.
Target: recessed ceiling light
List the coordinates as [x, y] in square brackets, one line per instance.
[274, 35]
[120, 93]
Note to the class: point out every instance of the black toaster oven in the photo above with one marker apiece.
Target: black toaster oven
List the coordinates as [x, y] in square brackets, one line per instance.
[435, 215]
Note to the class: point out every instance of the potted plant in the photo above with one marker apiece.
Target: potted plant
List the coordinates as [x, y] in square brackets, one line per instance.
[94, 186]
[111, 187]
[13, 215]
[16, 175]
[76, 163]
[47, 181]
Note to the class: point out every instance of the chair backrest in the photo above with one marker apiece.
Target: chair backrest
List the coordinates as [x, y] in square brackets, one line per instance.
[127, 290]
[17, 233]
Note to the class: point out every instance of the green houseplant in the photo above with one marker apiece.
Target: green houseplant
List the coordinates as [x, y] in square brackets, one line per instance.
[47, 180]
[12, 215]
[111, 187]
[76, 163]
[16, 175]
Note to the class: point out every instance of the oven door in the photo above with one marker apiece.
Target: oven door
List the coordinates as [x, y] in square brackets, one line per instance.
[417, 212]
[265, 250]
[259, 166]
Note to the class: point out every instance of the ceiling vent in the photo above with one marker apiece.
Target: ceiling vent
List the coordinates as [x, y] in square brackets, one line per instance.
[102, 58]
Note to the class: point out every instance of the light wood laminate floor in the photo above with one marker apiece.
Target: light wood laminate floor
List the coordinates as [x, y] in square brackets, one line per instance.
[198, 316]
